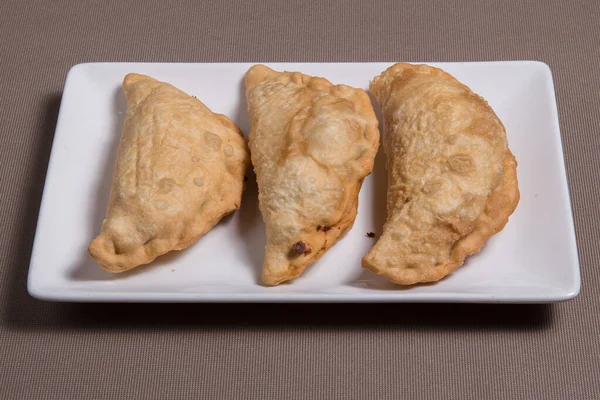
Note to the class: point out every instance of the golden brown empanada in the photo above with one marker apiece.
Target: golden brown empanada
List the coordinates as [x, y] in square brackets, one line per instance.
[452, 180]
[312, 144]
[179, 169]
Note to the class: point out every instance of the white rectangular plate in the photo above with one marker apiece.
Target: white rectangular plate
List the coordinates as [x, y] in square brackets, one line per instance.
[534, 259]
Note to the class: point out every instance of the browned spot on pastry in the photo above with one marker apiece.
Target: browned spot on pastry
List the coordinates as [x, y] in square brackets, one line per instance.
[319, 228]
[307, 252]
[326, 228]
[198, 181]
[432, 186]
[166, 185]
[212, 141]
[299, 247]
[245, 179]
[461, 163]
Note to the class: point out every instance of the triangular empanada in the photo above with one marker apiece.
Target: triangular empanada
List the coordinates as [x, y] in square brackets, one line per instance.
[179, 169]
[452, 180]
[312, 144]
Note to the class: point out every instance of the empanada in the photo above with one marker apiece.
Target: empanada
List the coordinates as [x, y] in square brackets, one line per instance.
[312, 144]
[179, 169]
[452, 180]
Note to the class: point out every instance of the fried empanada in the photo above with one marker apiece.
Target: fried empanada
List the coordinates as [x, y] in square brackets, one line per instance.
[312, 144]
[452, 180]
[179, 169]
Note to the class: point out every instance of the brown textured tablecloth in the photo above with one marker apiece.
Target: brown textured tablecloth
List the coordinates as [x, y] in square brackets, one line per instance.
[85, 351]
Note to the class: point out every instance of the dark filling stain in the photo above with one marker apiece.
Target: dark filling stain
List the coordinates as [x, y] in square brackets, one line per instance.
[245, 178]
[307, 252]
[299, 247]
[370, 234]
[326, 228]
[319, 228]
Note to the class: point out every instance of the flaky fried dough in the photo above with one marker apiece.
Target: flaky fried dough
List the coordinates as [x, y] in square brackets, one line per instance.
[312, 144]
[452, 180]
[179, 169]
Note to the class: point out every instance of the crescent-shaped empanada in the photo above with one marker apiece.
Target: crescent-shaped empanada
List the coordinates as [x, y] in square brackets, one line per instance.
[452, 180]
[179, 169]
[312, 144]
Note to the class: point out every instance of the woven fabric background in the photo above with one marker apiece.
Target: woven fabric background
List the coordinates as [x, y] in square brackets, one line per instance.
[96, 351]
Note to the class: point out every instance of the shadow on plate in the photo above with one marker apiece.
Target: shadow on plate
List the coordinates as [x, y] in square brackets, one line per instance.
[251, 226]
[369, 280]
[88, 270]
[379, 177]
